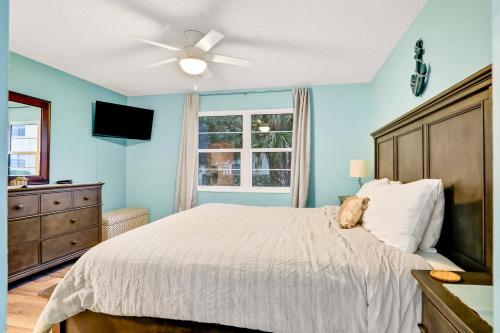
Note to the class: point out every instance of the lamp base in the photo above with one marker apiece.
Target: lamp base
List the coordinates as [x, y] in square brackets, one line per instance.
[360, 183]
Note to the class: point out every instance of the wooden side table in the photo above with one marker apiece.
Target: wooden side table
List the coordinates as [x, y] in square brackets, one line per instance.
[444, 312]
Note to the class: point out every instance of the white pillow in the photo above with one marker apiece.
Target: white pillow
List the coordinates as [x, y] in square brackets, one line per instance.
[371, 185]
[398, 215]
[433, 231]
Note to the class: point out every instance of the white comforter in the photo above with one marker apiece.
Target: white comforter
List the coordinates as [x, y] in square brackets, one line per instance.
[271, 269]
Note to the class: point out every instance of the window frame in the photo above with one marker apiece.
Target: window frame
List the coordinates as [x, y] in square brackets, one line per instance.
[245, 153]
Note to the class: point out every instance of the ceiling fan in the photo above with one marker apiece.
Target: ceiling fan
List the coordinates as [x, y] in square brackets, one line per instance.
[194, 57]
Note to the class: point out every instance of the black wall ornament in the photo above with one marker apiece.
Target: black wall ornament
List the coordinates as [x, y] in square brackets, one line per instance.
[420, 78]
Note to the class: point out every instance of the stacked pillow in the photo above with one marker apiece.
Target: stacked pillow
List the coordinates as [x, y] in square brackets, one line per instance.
[406, 216]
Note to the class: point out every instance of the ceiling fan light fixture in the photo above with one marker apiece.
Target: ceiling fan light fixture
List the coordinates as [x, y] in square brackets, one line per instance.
[193, 66]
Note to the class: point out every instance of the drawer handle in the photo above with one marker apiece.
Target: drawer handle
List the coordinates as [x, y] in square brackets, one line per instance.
[73, 220]
[57, 202]
[18, 207]
[73, 242]
[86, 198]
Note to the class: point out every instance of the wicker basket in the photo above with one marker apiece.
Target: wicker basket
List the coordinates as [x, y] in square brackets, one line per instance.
[118, 221]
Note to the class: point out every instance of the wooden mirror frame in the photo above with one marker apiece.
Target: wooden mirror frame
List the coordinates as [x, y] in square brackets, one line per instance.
[43, 177]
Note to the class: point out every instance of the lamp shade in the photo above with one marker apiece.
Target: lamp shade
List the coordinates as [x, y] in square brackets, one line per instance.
[358, 168]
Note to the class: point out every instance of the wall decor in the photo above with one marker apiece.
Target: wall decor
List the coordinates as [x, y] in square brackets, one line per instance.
[420, 78]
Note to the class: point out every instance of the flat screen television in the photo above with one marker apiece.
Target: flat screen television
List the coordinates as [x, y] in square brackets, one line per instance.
[121, 121]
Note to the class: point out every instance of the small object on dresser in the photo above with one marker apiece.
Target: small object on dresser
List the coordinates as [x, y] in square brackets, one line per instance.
[445, 276]
[64, 181]
[19, 181]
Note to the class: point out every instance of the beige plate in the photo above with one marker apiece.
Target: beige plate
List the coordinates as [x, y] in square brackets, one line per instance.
[445, 276]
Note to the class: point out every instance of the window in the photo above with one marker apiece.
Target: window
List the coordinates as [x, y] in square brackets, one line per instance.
[247, 151]
[24, 149]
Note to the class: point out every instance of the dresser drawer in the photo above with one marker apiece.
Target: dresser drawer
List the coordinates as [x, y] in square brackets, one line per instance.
[23, 205]
[51, 202]
[60, 246]
[60, 223]
[22, 257]
[23, 231]
[432, 320]
[84, 198]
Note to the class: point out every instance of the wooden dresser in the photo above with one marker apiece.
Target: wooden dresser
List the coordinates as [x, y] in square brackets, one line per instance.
[50, 224]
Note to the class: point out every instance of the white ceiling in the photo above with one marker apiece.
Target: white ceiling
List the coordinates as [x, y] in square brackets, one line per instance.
[292, 42]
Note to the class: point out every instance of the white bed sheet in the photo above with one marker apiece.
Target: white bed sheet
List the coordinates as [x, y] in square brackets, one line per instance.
[438, 261]
[272, 269]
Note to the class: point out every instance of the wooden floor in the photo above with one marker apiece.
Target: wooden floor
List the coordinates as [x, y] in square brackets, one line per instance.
[24, 305]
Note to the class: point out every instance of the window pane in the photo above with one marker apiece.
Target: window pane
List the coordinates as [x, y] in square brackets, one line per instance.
[271, 178]
[219, 169]
[281, 160]
[21, 144]
[24, 131]
[219, 177]
[220, 124]
[31, 131]
[17, 131]
[275, 122]
[220, 141]
[219, 161]
[22, 165]
[272, 140]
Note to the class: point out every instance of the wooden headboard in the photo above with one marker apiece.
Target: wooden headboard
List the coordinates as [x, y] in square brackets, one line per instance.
[449, 137]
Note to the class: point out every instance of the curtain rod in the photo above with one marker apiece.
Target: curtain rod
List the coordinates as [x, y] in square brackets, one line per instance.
[243, 92]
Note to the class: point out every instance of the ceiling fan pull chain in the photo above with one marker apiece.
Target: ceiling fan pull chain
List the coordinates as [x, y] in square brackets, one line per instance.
[195, 83]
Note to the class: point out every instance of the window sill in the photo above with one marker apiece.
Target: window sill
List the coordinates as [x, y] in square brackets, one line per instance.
[283, 190]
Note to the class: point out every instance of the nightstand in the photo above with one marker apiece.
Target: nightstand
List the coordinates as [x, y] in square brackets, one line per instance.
[343, 197]
[444, 312]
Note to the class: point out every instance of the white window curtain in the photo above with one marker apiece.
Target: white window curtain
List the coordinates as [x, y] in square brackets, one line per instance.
[187, 168]
[299, 181]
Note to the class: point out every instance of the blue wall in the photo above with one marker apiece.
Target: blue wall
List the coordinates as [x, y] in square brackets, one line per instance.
[342, 120]
[4, 54]
[457, 40]
[496, 159]
[151, 166]
[74, 153]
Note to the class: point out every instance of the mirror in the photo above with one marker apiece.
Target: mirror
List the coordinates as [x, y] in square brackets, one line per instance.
[29, 133]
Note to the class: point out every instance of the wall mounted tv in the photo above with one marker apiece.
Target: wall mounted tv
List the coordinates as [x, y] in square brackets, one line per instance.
[121, 121]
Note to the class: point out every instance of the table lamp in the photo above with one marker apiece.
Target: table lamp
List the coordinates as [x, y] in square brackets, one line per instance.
[358, 169]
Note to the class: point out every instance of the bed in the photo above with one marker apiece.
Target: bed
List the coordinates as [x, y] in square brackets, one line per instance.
[226, 268]
[271, 269]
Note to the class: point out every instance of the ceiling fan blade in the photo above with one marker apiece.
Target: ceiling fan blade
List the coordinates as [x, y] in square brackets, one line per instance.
[209, 40]
[163, 62]
[207, 74]
[152, 42]
[230, 60]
